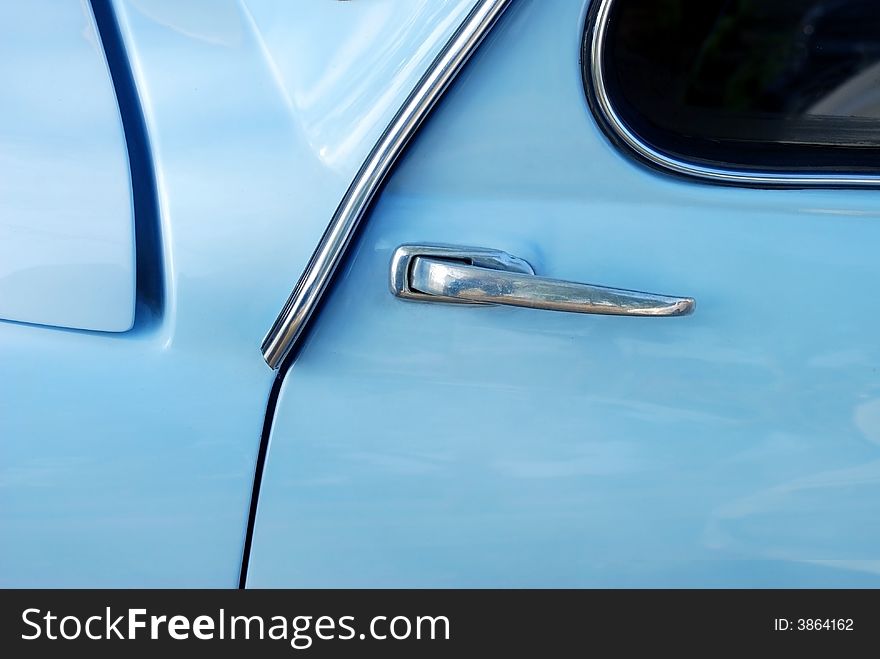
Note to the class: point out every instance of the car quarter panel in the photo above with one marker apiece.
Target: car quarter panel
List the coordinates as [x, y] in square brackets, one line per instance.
[128, 460]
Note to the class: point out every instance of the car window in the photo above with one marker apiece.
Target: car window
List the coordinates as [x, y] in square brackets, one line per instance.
[784, 85]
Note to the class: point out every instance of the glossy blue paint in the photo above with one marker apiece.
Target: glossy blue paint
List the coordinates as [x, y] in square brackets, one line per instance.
[434, 445]
[66, 225]
[345, 68]
[128, 460]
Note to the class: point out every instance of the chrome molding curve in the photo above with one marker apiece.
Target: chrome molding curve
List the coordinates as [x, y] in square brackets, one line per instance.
[670, 163]
[291, 322]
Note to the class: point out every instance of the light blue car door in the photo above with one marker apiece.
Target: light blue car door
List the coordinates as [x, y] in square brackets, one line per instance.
[428, 444]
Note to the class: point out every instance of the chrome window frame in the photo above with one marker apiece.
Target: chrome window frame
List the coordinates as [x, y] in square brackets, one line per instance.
[592, 55]
[288, 328]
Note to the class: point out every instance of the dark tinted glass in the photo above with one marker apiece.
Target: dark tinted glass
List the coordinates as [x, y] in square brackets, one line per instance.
[758, 84]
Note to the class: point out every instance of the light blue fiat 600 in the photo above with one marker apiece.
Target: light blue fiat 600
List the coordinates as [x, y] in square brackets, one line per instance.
[440, 293]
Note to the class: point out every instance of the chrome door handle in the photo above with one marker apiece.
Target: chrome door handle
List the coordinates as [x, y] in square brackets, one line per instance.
[474, 275]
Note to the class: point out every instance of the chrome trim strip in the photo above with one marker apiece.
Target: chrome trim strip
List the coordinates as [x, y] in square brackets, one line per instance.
[715, 174]
[305, 296]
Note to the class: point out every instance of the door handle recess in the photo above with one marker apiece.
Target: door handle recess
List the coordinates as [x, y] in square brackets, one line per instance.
[475, 275]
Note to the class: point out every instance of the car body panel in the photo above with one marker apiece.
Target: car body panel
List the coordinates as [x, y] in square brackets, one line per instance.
[66, 223]
[418, 444]
[128, 460]
[345, 68]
